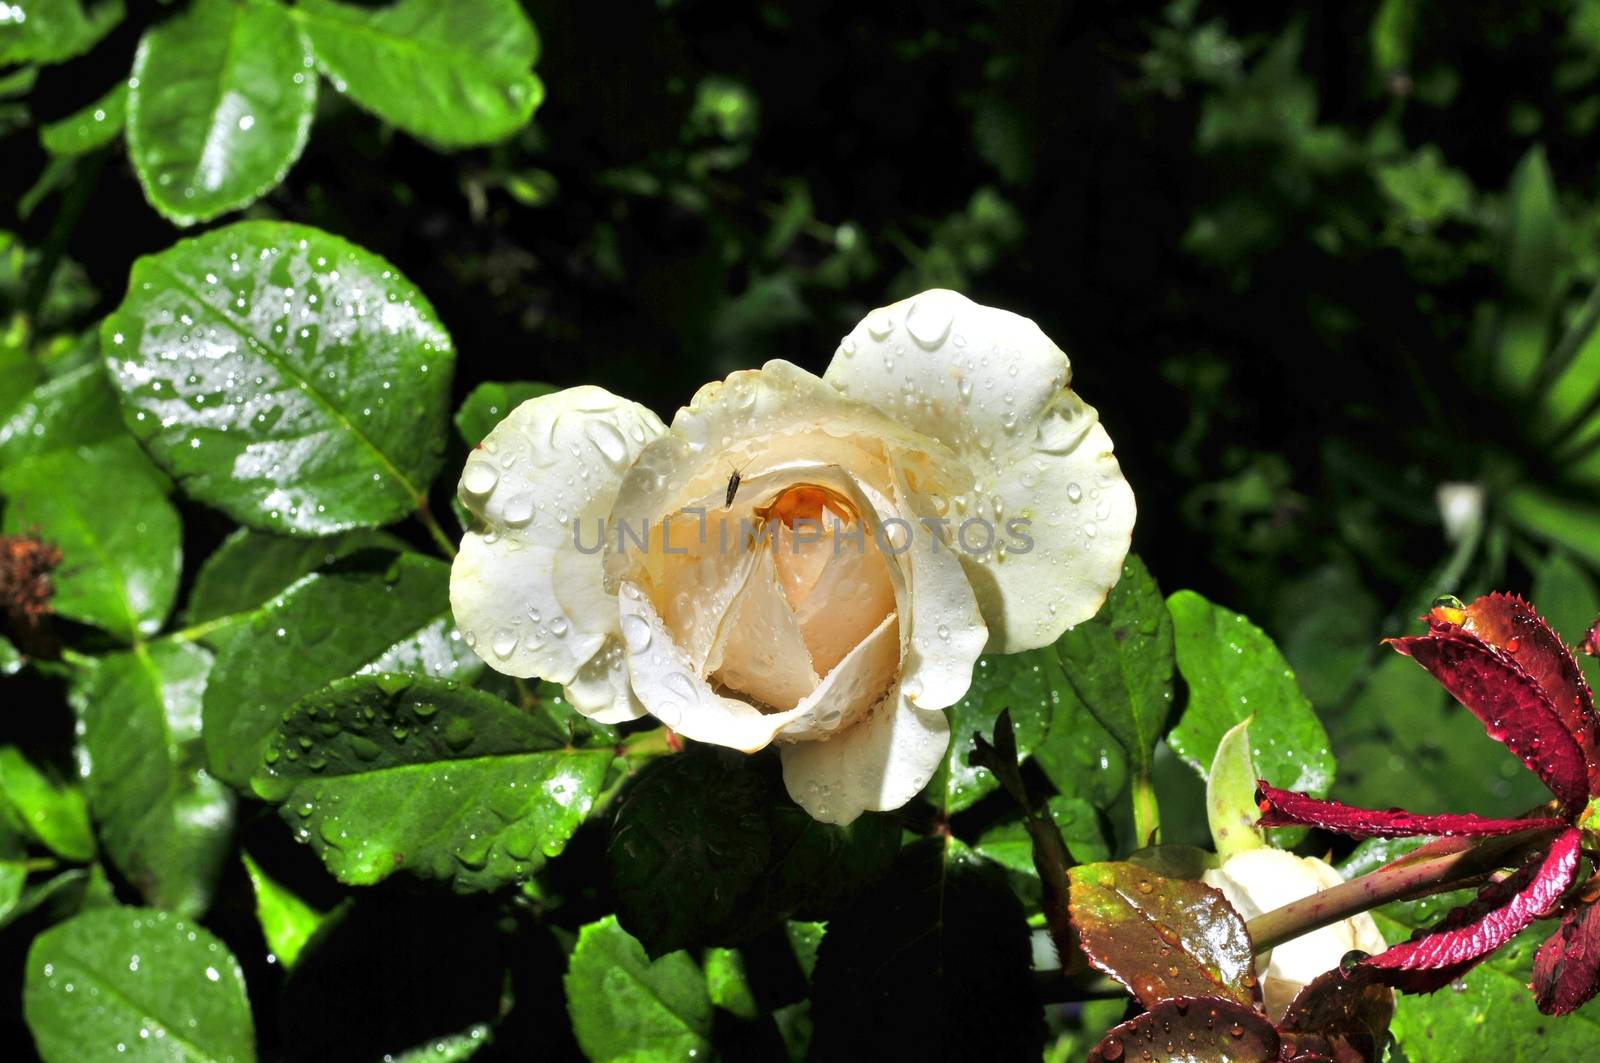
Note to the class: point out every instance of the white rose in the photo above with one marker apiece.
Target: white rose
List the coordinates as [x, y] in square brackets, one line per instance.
[1258, 880]
[823, 608]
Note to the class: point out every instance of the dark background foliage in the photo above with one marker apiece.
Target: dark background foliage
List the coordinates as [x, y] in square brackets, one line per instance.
[1281, 244]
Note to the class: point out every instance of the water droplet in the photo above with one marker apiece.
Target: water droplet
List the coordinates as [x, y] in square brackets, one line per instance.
[636, 633]
[929, 321]
[479, 477]
[505, 641]
[879, 324]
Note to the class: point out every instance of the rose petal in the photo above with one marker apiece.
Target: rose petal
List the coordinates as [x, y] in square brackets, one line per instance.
[851, 593]
[696, 590]
[854, 686]
[993, 388]
[1566, 970]
[880, 763]
[1513, 626]
[525, 597]
[665, 680]
[1513, 707]
[1285, 808]
[763, 653]
[1475, 930]
[757, 421]
[602, 690]
[947, 629]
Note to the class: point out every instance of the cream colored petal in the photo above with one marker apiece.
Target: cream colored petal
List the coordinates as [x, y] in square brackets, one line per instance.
[664, 679]
[947, 629]
[879, 764]
[697, 590]
[601, 690]
[859, 682]
[759, 420]
[763, 654]
[527, 599]
[848, 600]
[991, 386]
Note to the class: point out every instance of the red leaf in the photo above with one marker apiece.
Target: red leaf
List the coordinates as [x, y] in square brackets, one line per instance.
[1500, 912]
[1285, 808]
[1513, 707]
[1340, 1016]
[1201, 1029]
[1512, 625]
[1566, 972]
[1161, 937]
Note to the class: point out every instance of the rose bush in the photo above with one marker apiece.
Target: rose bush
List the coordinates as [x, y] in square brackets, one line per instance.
[816, 562]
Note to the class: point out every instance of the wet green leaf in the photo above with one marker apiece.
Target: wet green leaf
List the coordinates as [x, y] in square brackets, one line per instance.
[292, 380]
[625, 1007]
[219, 105]
[93, 126]
[1120, 663]
[118, 535]
[388, 772]
[1234, 672]
[137, 984]
[300, 641]
[489, 403]
[1029, 684]
[456, 74]
[53, 31]
[1492, 1015]
[76, 409]
[164, 822]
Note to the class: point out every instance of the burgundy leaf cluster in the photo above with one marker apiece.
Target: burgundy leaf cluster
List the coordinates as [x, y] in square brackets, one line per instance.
[1500, 660]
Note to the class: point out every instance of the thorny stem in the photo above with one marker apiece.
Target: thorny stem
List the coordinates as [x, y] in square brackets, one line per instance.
[1435, 868]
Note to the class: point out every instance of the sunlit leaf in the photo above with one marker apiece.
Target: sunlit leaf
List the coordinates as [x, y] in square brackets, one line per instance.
[456, 74]
[292, 380]
[387, 773]
[625, 1007]
[219, 106]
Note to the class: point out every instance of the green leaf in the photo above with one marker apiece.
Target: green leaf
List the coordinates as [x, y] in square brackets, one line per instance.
[1010, 846]
[302, 640]
[624, 1007]
[1231, 810]
[13, 871]
[452, 1048]
[707, 848]
[387, 772]
[1534, 264]
[930, 963]
[1571, 523]
[219, 105]
[287, 922]
[1078, 755]
[53, 812]
[76, 409]
[456, 74]
[1234, 673]
[251, 568]
[1030, 684]
[53, 31]
[90, 127]
[118, 535]
[728, 982]
[489, 403]
[292, 380]
[1120, 663]
[164, 822]
[18, 373]
[130, 982]
[11, 659]
[1492, 1015]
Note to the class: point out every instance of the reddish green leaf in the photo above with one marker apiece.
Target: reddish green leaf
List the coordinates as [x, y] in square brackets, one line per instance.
[1198, 1030]
[1161, 937]
[1341, 1016]
[1284, 808]
[1511, 625]
[1500, 912]
[1513, 707]
[1566, 971]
